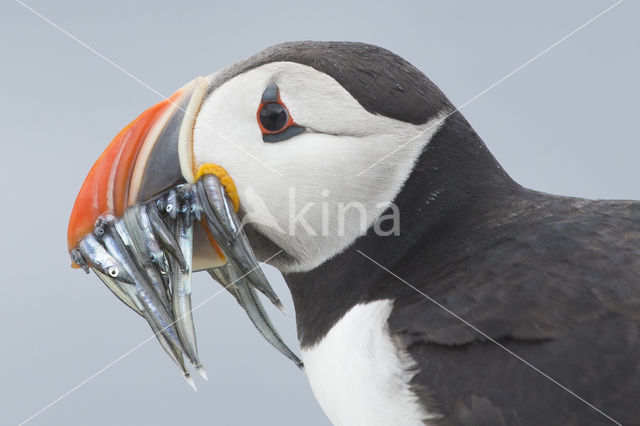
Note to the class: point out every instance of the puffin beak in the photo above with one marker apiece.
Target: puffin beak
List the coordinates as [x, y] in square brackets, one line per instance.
[145, 219]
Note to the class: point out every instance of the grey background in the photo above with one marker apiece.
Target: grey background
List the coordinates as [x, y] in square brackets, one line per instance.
[565, 124]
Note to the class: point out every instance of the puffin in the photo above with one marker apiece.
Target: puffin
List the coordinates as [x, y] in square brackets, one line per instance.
[429, 287]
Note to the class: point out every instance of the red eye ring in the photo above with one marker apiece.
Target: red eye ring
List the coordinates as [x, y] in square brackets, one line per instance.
[273, 117]
[274, 120]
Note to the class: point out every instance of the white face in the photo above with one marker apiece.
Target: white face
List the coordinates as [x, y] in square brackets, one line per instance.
[307, 193]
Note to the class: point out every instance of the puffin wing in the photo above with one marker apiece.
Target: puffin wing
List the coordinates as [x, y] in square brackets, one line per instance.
[548, 305]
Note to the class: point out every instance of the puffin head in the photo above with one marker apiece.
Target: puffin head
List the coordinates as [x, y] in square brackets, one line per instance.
[301, 147]
[302, 129]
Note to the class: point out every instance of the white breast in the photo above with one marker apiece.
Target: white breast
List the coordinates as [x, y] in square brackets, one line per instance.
[358, 374]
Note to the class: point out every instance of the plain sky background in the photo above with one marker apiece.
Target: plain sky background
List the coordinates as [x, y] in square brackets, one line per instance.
[566, 124]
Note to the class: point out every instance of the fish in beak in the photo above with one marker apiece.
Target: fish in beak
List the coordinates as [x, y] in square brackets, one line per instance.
[145, 219]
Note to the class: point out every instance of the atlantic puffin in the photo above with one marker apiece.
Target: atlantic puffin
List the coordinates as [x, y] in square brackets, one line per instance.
[429, 287]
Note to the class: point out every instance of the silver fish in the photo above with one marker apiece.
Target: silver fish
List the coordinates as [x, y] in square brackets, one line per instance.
[154, 251]
[100, 259]
[225, 227]
[171, 205]
[164, 234]
[153, 307]
[130, 229]
[121, 292]
[248, 299]
[176, 356]
[181, 295]
[78, 259]
[152, 248]
[124, 293]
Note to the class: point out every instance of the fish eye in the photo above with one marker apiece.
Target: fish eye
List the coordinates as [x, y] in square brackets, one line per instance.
[99, 231]
[113, 272]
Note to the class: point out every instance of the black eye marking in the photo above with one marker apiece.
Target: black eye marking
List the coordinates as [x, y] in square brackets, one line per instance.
[284, 135]
[274, 119]
[271, 93]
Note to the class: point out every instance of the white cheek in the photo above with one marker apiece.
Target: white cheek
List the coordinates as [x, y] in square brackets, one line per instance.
[305, 193]
[322, 186]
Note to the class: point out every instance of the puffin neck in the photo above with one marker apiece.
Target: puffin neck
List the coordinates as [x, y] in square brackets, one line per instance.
[455, 171]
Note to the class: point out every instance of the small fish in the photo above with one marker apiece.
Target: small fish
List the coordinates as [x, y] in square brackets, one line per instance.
[176, 356]
[248, 299]
[145, 258]
[100, 259]
[78, 259]
[121, 292]
[134, 233]
[129, 228]
[165, 236]
[224, 225]
[156, 255]
[171, 206]
[181, 295]
[157, 316]
[212, 194]
[185, 206]
[154, 310]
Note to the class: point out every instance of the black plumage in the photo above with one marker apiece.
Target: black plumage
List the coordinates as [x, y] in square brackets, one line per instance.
[555, 280]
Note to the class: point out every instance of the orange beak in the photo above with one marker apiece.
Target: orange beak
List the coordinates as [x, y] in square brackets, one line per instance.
[150, 155]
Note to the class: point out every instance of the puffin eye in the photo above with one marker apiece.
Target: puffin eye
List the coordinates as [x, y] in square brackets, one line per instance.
[274, 119]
